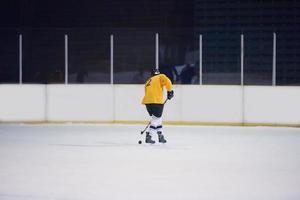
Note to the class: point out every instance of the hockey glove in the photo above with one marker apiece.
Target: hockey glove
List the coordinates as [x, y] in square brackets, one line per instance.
[170, 94]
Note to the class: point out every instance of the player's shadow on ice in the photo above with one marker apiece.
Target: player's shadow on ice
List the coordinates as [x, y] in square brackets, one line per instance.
[97, 144]
[125, 145]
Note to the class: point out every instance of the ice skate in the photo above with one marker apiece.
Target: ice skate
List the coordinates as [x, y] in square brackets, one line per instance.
[149, 138]
[161, 137]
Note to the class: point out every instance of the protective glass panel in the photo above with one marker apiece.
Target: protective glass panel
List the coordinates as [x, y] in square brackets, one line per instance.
[9, 56]
[221, 58]
[288, 58]
[89, 56]
[258, 56]
[134, 55]
[178, 55]
[43, 56]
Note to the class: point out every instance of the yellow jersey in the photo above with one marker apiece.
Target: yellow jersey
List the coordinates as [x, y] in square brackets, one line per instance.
[154, 89]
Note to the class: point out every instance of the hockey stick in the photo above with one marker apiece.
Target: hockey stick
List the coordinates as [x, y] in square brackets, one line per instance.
[142, 132]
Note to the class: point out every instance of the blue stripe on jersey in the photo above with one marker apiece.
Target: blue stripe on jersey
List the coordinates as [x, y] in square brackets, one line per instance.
[153, 127]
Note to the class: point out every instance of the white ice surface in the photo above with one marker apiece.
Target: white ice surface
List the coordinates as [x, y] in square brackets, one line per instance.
[104, 162]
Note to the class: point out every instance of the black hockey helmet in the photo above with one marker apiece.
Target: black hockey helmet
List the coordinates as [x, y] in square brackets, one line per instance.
[154, 71]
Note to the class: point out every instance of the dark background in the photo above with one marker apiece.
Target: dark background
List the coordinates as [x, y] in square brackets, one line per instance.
[133, 23]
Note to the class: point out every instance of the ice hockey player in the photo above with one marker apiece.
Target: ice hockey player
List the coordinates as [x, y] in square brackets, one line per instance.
[154, 102]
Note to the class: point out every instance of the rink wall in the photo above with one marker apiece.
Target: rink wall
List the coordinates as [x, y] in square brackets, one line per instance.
[192, 104]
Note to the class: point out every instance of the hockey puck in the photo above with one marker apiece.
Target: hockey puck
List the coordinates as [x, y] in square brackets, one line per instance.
[140, 142]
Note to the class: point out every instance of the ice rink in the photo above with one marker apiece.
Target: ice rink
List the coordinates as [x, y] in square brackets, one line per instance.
[105, 162]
